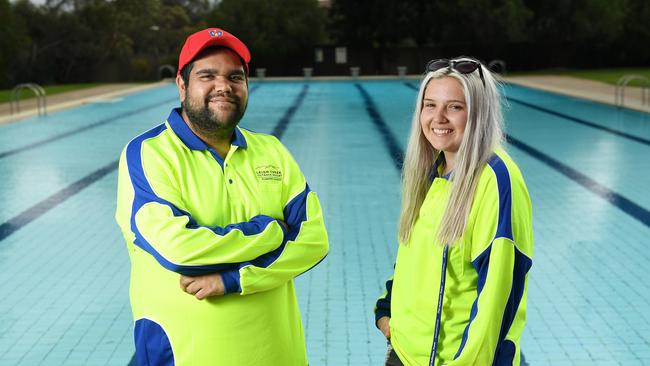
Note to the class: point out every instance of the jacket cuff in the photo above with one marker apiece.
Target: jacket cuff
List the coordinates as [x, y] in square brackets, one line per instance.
[380, 313]
[231, 282]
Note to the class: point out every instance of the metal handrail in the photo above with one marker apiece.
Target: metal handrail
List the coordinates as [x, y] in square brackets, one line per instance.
[307, 72]
[622, 83]
[500, 63]
[41, 101]
[167, 67]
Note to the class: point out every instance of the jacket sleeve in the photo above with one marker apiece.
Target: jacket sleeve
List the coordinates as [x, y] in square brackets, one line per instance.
[305, 245]
[151, 214]
[502, 264]
[382, 306]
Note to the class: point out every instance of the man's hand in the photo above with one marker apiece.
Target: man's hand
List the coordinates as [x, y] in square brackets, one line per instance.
[203, 286]
[384, 325]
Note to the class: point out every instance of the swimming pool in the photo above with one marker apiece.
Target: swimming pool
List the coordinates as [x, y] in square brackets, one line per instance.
[64, 279]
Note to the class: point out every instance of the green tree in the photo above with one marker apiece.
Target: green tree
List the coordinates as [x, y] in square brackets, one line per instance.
[98, 40]
[448, 25]
[636, 34]
[155, 31]
[196, 10]
[426, 23]
[276, 31]
[13, 43]
[47, 36]
[379, 23]
[600, 21]
[485, 22]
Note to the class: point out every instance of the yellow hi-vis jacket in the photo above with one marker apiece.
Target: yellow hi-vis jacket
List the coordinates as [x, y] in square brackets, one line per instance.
[185, 210]
[481, 279]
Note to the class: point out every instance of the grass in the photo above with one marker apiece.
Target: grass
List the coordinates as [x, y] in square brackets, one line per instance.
[5, 95]
[609, 76]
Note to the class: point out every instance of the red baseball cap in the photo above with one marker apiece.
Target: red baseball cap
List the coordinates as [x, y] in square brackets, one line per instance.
[210, 37]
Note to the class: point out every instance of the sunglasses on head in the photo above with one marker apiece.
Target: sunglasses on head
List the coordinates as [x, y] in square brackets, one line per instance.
[463, 66]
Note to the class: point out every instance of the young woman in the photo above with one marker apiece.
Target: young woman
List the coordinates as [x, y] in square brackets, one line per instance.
[458, 294]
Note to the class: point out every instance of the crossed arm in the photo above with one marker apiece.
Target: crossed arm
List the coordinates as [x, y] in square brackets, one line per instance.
[207, 285]
[246, 257]
[304, 246]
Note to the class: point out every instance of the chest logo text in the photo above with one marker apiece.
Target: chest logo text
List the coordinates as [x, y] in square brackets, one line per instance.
[268, 173]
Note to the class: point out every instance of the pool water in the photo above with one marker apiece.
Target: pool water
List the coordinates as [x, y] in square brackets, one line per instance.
[64, 278]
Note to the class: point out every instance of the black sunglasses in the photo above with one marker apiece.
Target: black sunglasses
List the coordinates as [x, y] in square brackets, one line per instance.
[463, 66]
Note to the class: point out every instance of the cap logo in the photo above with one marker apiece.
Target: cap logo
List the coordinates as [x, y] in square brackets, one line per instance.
[215, 33]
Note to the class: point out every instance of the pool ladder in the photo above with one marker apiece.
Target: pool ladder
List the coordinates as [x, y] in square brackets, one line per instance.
[498, 66]
[41, 102]
[621, 85]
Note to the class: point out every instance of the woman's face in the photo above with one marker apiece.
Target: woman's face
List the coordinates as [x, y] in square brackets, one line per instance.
[444, 114]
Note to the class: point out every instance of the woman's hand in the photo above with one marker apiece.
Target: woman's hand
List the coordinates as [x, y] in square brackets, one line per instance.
[384, 325]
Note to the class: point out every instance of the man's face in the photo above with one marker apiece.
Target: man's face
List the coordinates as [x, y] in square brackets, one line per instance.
[216, 96]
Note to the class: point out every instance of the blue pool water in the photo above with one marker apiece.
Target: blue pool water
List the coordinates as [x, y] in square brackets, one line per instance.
[64, 267]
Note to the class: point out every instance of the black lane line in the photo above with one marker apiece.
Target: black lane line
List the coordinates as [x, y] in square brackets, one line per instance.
[12, 225]
[52, 201]
[624, 204]
[581, 121]
[282, 124]
[45, 141]
[629, 207]
[390, 142]
[411, 85]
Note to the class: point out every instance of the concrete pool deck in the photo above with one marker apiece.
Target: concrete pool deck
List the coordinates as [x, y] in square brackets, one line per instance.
[584, 88]
[55, 102]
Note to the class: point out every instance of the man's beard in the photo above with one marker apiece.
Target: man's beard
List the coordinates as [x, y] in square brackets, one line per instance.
[207, 122]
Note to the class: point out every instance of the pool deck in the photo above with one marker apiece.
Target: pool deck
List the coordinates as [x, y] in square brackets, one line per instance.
[565, 85]
[73, 99]
[583, 88]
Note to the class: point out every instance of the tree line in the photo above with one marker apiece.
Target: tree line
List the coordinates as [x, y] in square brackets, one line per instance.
[65, 41]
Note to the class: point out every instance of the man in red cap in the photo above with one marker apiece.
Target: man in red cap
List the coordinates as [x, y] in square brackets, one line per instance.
[222, 211]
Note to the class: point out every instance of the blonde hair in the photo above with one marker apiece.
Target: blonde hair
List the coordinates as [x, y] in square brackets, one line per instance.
[483, 134]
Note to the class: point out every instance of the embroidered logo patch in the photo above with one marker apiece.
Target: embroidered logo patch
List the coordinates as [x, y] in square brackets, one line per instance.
[268, 173]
